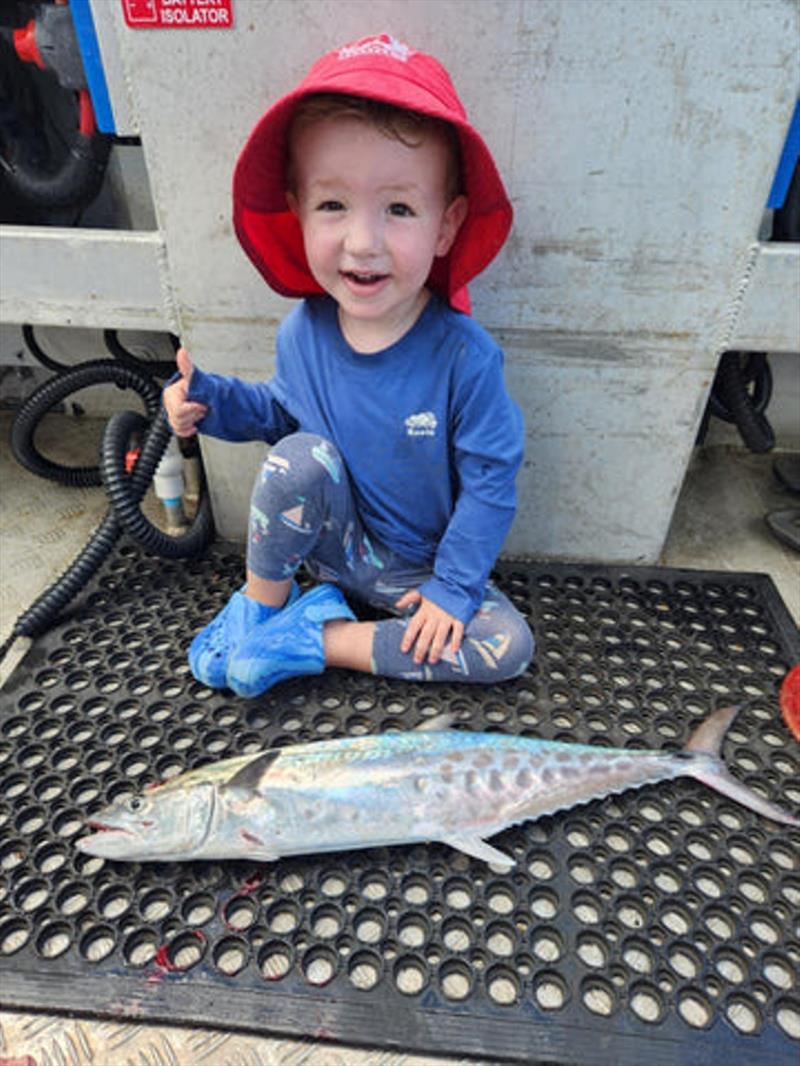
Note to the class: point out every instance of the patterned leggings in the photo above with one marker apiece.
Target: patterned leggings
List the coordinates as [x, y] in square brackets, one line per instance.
[302, 511]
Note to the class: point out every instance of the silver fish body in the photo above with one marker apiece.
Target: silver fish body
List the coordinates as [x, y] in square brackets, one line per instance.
[434, 784]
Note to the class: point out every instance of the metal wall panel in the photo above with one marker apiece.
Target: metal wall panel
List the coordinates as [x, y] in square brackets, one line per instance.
[769, 318]
[638, 142]
[102, 278]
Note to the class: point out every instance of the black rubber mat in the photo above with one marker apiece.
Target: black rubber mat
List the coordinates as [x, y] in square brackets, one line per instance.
[657, 926]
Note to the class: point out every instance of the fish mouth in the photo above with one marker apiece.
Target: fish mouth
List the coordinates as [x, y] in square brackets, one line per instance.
[102, 835]
[103, 827]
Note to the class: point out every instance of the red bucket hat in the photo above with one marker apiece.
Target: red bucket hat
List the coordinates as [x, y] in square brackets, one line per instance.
[383, 69]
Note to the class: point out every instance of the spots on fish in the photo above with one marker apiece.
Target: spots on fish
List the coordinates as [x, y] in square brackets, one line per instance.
[482, 759]
[510, 762]
[563, 755]
[495, 781]
[455, 756]
[549, 776]
[470, 779]
[524, 778]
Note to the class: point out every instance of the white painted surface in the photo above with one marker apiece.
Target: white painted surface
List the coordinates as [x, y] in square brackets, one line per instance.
[638, 142]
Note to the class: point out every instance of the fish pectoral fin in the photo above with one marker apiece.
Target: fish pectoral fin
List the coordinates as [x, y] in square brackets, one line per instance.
[437, 724]
[479, 849]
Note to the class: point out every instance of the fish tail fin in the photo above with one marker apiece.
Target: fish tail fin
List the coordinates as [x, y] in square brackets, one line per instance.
[706, 743]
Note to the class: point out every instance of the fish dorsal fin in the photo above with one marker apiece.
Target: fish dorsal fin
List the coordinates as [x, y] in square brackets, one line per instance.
[252, 776]
[436, 724]
[479, 849]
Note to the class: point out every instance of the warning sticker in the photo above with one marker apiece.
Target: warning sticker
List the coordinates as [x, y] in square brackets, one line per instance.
[178, 14]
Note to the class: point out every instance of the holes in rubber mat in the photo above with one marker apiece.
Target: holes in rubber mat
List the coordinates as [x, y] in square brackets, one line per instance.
[670, 905]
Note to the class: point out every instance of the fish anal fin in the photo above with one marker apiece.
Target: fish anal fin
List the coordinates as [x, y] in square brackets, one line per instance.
[479, 849]
[252, 776]
[437, 724]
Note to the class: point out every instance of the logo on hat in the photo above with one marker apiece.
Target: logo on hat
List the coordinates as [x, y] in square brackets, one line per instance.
[382, 45]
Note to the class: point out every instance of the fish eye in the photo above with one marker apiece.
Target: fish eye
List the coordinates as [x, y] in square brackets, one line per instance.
[135, 804]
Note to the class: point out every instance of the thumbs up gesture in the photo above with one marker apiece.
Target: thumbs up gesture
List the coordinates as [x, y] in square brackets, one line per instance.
[182, 413]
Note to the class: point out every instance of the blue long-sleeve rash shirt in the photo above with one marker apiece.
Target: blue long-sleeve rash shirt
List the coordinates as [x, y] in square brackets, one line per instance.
[428, 433]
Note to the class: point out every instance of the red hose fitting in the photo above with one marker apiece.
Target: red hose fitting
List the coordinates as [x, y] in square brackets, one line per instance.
[86, 121]
[25, 45]
[131, 459]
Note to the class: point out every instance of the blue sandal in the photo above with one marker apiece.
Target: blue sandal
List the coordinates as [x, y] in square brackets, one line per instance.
[211, 649]
[288, 644]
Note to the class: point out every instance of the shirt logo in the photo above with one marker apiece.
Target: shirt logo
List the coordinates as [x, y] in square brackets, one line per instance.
[382, 45]
[421, 425]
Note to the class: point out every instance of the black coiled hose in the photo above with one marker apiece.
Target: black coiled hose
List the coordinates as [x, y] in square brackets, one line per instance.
[100, 371]
[76, 181]
[125, 496]
[735, 401]
[38, 353]
[161, 368]
[125, 491]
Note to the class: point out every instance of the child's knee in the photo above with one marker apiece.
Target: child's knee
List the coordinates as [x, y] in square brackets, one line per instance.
[528, 646]
[519, 651]
[297, 462]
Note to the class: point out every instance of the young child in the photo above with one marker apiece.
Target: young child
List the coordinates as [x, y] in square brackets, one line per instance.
[395, 444]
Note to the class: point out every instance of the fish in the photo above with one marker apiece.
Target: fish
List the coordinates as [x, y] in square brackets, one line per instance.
[433, 784]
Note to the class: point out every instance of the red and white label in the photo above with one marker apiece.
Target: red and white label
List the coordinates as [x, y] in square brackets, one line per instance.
[178, 14]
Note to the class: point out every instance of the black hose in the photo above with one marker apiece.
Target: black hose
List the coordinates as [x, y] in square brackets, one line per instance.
[75, 183]
[756, 374]
[45, 609]
[755, 429]
[125, 491]
[101, 371]
[125, 502]
[41, 356]
[160, 368]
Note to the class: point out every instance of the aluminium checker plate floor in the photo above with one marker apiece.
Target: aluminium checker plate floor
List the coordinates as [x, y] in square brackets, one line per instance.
[660, 923]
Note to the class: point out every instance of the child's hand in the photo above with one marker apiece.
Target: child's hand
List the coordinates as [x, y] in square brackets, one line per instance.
[429, 628]
[182, 413]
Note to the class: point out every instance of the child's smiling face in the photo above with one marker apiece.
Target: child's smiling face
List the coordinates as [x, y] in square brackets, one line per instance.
[374, 213]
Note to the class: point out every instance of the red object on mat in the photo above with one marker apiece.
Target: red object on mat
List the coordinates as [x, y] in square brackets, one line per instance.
[790, 700]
